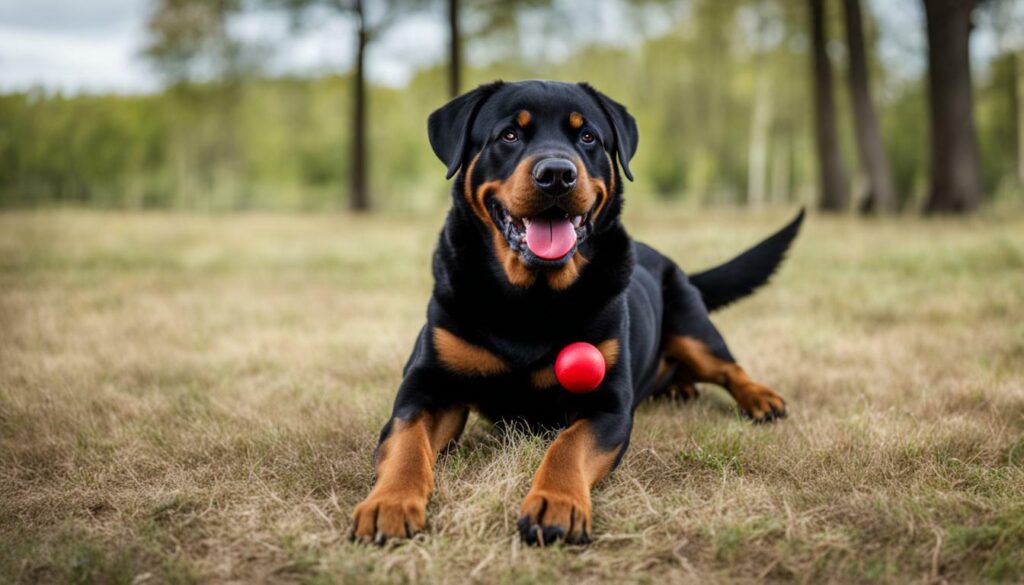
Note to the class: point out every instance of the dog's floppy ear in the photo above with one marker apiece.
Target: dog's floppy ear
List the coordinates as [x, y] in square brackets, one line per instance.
[623, 124]
[449, 126]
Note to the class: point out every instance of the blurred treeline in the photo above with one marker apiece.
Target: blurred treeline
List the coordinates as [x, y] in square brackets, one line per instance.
[722, 93]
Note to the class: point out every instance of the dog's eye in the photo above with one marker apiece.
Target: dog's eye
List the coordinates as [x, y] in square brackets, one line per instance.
[510, 136]
[587, 137]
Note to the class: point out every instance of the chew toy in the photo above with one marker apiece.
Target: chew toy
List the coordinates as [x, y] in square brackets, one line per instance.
[580, 367]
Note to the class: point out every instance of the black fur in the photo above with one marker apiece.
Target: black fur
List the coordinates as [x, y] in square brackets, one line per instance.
[744, 274]
[625, 291]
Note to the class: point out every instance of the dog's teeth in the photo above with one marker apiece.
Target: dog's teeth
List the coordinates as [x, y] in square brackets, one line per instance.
[526, 221]
[576, 221]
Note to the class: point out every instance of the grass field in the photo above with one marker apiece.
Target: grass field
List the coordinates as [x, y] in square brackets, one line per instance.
[195, 398]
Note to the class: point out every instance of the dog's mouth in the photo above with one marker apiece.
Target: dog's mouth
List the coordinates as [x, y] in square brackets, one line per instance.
[547, 239]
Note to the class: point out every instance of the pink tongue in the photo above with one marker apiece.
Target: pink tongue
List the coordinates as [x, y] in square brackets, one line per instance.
[550, 239]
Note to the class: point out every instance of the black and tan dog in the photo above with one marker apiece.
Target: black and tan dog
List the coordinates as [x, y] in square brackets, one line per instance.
[532, 257]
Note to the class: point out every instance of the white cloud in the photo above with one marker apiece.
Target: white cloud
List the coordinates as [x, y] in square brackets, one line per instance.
[94, 45]
[71, 62]
[86, 17]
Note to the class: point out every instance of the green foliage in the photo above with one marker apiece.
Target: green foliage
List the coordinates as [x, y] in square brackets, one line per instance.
[188, 39]
[240, 142]
[998, 123]
[996, 544]
[905, 131]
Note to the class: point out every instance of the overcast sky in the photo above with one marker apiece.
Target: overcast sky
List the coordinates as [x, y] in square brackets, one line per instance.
[94, 45]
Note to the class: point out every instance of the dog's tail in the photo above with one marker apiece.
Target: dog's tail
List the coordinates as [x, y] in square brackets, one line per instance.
[741, 276]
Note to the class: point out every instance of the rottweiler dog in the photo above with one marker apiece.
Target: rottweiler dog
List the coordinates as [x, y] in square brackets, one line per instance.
[533, 256]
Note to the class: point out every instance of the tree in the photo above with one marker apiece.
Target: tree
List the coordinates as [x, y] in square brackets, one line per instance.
[367, 30]
[490, 17]
[454, 49]
[1018, 103]
[190, 44]
[189, 40]
[832, 175]
[955, 162]
[761, 119]
[1006, 18]
[359, 196]
[881, 195]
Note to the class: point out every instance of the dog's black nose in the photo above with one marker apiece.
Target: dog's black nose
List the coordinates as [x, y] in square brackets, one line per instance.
[555, 176]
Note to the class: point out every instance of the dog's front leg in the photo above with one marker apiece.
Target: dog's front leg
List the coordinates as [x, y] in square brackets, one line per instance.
[558, 504]
[408, 448]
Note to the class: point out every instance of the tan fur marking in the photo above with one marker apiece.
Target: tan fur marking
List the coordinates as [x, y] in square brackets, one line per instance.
[611, 173]
[446, 428]
[512, 193]
[662, 368]
[609, 348]
[562, 278]
[518, 273]
[544, 378]
[467, 190]
[523, 119]
[396, 506]
[576, 120]
[706, 367]
[604, 191]
[756, 400]
[574, 460]
[518, 195]
[560, 493]
[463, 357]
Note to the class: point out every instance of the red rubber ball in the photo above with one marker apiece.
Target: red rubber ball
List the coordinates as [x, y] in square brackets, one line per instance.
[580, 367]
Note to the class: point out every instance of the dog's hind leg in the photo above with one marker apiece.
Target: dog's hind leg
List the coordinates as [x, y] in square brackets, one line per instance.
[682, 385]
[690, 339]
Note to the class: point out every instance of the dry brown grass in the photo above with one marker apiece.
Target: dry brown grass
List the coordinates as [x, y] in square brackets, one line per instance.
[190, 398]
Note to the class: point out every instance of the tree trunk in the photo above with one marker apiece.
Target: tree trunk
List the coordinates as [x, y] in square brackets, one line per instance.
[781, 189]
[360, 199]
[832, 175]
[955, 175]
[1019, 58]
[881, 195]
[454, 49]
[757, 163]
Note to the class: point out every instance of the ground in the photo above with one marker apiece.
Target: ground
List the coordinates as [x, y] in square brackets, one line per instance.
[196, 398]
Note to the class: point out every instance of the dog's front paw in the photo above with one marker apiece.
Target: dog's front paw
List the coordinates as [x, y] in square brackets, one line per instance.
[760, 403]
[548, 516]
[384, 516]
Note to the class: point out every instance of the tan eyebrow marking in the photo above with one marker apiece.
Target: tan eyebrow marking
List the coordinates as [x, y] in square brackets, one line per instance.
[576, 120]
[523, 118]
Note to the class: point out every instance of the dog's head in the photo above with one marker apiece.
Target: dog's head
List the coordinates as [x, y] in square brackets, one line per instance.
[540, 170]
